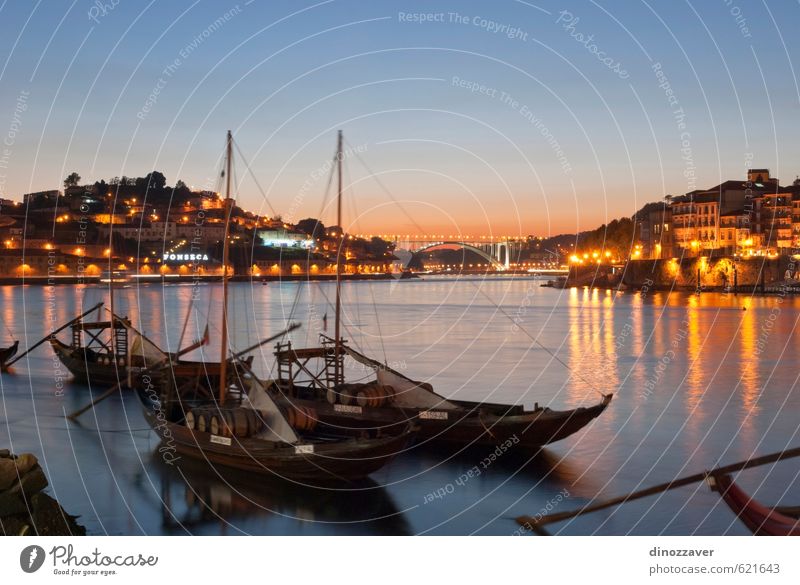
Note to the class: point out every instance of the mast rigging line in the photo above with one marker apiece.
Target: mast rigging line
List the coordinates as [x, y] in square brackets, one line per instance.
[477, 287]
[255, 180]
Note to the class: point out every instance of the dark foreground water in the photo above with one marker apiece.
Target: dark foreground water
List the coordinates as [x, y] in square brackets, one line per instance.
[697, 380]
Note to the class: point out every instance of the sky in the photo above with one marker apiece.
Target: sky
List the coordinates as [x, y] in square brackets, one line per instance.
[495, 118]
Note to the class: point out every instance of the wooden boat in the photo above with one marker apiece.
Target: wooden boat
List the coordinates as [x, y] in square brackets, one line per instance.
[114, 348]
[313, 378]
[394, 399]
[6, 353]
[760, 519]
[270, 445]
[242, 427]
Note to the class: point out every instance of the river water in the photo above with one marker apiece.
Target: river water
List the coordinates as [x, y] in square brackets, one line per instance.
[698, 380]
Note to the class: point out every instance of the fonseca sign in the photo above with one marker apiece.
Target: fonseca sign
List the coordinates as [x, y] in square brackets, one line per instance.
[185, 257]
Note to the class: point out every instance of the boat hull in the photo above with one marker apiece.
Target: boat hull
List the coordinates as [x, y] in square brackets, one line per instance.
[89, 371]
[760, 519]
[331, 462]
[6, 353]
[469, 424]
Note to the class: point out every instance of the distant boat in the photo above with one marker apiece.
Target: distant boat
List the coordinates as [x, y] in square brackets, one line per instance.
[115, 277]
[761, 520]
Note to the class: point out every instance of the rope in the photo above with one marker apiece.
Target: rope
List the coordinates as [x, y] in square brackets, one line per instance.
[255, 180]
[537, 342]
[498, 307]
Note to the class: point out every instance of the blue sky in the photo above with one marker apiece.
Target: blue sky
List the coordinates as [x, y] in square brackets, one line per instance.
[561, 133]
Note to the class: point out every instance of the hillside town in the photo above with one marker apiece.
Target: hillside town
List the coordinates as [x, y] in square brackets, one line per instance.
[142, 226]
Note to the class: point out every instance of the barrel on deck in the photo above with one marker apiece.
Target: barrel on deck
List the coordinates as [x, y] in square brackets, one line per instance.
[227, 422]
[302, 418]
[375, 395]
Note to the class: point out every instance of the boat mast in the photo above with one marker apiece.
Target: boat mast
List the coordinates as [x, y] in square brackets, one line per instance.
[228, 208]
[337, 373]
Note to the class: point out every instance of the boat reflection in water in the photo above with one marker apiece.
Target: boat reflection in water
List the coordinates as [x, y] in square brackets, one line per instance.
[197, 499]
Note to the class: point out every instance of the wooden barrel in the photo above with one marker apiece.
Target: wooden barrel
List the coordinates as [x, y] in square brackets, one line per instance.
[201, 420]
[331, 396]
[302, 418]
[375, 395]
[191, 420]
[241, 422]
[215, 424]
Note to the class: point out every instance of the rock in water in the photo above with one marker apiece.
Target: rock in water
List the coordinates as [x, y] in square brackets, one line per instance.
[26, 462]
[8, 473]
[24, 509]
[50, 519]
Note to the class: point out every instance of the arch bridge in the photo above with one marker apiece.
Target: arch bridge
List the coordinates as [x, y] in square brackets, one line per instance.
[498, 254]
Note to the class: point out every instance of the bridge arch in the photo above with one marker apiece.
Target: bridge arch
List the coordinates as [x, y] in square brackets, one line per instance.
[450, 245]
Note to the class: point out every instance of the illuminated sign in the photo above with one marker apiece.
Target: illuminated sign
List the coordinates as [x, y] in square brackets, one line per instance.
[185, 257]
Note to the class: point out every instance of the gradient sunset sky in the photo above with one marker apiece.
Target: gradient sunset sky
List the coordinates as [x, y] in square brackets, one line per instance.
[490, 118]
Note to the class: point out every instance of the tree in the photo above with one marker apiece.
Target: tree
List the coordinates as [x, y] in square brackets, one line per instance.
[72, 180]
[180, 185]
[379, 248]
[312, 227]
[155, 180]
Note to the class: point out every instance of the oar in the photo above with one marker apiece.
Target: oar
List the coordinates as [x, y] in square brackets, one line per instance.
[100, 398]
[50, 335]
[675, 483]
[289, 329]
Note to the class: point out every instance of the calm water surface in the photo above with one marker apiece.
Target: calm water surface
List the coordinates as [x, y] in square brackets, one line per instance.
[697, 380]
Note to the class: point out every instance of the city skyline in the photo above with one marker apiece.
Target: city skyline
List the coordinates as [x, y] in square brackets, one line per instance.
[478, 119]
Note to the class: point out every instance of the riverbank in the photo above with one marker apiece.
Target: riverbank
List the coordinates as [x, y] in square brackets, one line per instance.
[190, 278]
[723, 274]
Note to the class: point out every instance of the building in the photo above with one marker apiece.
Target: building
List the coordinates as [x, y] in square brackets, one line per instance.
[41, 198]
[773, 223]
[658, 243]
[735, 237]
[284, 238]
[168, 231]
[755, 215]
